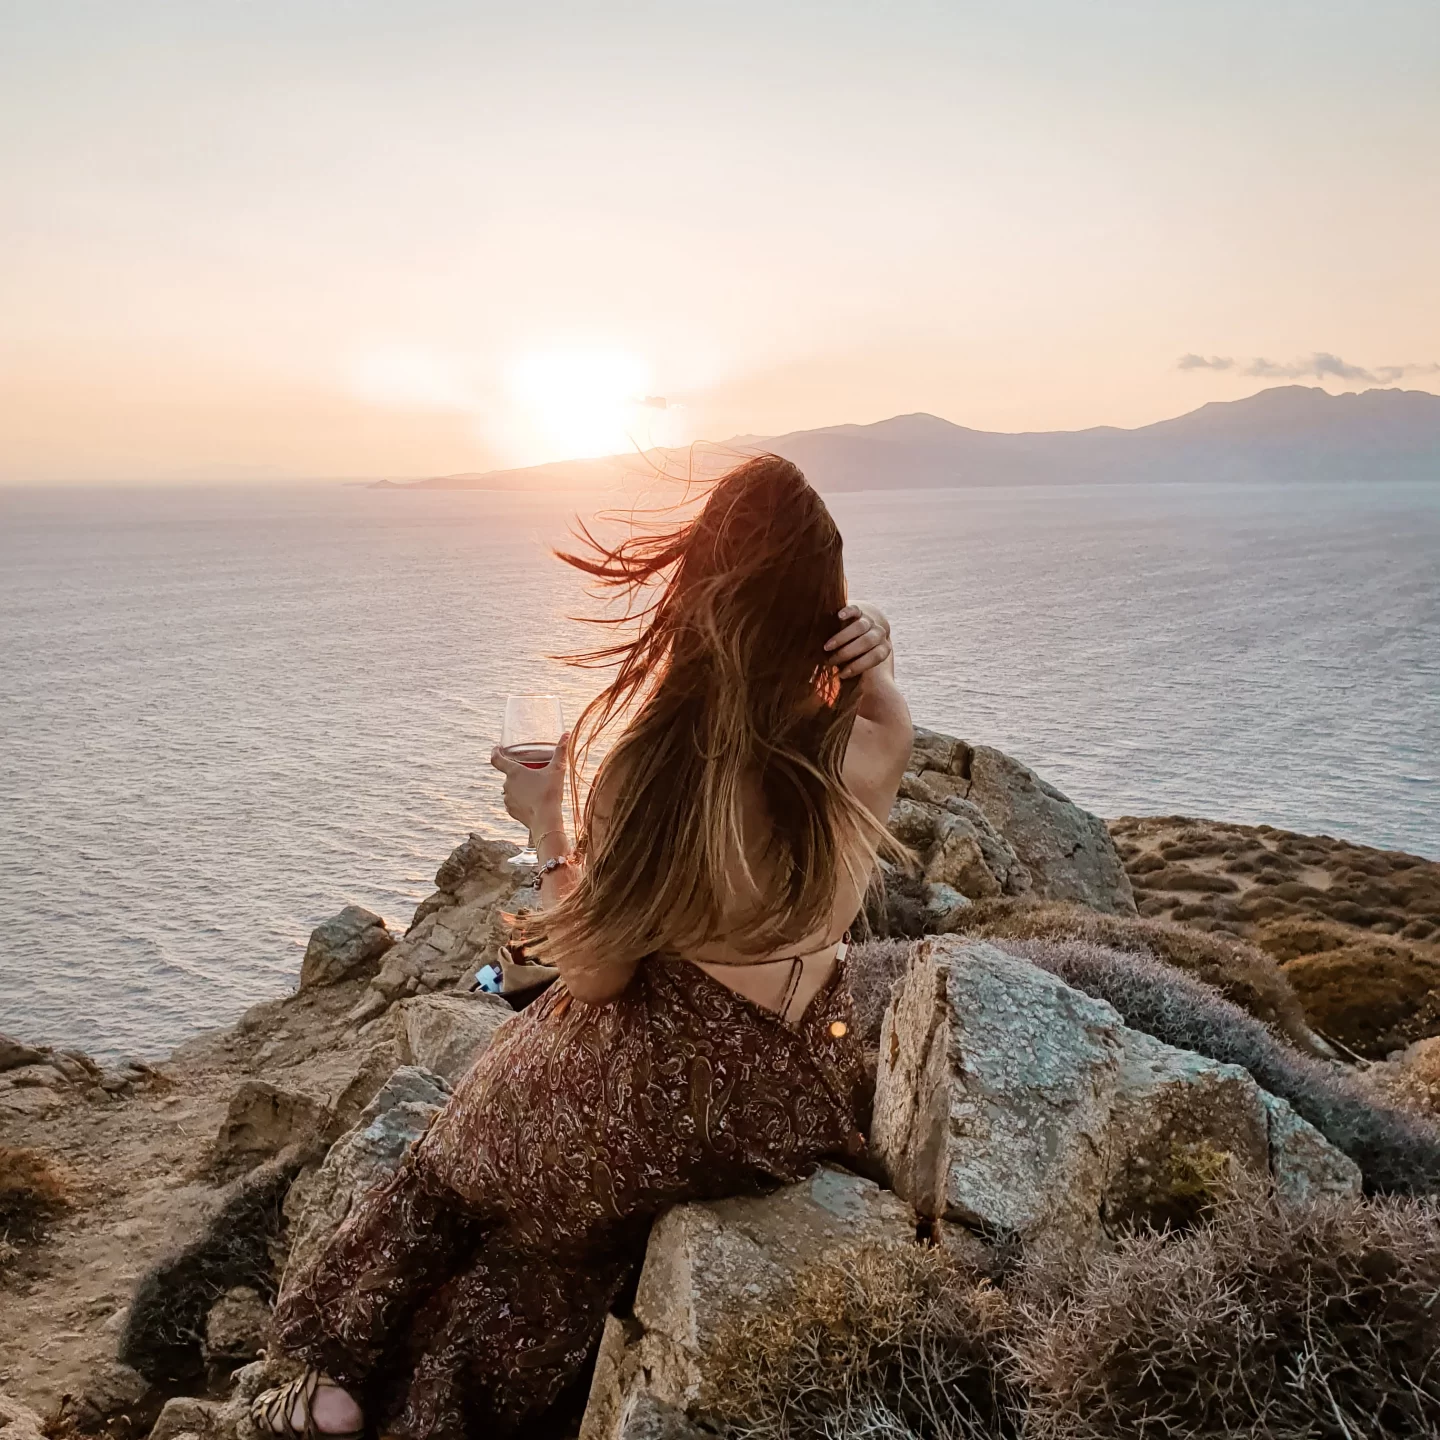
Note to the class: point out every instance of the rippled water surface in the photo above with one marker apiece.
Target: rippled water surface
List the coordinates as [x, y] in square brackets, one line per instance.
[225, 714]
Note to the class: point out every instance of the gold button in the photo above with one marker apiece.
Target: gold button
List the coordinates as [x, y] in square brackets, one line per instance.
[839, 1029]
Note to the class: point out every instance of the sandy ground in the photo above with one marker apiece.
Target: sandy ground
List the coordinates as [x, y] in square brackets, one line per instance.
[139, 1171]
[135, 1163]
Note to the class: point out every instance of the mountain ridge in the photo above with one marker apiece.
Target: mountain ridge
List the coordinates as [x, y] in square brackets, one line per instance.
[1291, 433]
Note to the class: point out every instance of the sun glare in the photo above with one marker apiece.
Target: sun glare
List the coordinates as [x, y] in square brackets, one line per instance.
[582, 402]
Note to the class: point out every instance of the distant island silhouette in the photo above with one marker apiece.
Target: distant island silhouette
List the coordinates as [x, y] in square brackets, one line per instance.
[1287, 433]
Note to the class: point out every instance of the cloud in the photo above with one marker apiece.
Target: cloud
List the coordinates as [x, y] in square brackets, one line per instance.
[1319, 366]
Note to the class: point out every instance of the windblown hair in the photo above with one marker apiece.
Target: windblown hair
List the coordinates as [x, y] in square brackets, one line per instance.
[723, 679]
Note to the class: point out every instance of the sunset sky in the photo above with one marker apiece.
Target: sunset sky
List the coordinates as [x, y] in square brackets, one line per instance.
[284, 238]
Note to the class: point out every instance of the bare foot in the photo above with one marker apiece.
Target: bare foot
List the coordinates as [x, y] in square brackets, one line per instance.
[335, 1411]
[332, 1410]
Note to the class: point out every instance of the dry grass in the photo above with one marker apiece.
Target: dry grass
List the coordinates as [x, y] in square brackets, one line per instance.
[1412, 1079]
[1234, 877]
[875, 1343]
[1357, 929]
[165, 1327]
[1265, 1322]
[1373, 996]
[1270, 1322]
[34, 1189]
[1243, 974]
[871, 971]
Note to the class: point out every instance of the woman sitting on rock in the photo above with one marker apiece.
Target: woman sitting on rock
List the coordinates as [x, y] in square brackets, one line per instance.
[699, 1042]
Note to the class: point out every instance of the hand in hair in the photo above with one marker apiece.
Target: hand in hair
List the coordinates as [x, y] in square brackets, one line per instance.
[880, 743]
[863, 644]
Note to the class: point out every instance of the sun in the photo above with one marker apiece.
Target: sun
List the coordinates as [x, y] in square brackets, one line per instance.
[575, 403]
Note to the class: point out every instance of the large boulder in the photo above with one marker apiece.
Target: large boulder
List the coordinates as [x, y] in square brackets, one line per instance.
[13, 1054]
[330, 1074]
[455, 930]
[993, 1097]
[707, 1264]
[999, 829]
[347, 944]
[261, 1120]
[956, 843]
[447, 1033]
[1009, 1102]
[361, 1158]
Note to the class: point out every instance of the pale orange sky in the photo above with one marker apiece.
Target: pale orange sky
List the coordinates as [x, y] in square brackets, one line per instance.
[275, 239]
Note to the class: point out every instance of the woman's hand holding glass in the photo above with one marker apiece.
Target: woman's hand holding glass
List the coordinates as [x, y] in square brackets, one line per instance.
[862, 643]
[535, 796]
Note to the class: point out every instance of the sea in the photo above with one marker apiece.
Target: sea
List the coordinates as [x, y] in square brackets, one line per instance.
[226, 713]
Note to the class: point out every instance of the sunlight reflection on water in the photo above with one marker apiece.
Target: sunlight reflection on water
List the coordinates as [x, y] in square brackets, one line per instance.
[226, 713]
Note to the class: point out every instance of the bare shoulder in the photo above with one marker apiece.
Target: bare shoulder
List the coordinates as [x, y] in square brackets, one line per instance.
[880, 746]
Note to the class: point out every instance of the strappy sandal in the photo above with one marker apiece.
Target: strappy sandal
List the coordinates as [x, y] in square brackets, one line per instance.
[271, 1410]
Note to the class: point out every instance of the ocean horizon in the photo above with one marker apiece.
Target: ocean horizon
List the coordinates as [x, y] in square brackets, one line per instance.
[228, 712]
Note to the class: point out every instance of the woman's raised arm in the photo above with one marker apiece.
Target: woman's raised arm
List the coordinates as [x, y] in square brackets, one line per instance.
[880, 744]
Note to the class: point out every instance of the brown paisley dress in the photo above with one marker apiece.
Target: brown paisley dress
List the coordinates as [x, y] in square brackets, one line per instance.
[462, 1295]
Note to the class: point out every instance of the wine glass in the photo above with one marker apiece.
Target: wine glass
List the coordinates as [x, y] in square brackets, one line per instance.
[531, 731]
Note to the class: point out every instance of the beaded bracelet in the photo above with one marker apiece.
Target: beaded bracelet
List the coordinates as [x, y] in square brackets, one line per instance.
[549, 868]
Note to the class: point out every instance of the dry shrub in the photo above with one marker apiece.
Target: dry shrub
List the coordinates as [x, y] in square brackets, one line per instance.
[165, 1327]
[34, 1188]
[1383, 891]
[1396, 1152]
[1181, 877]
[904, 1344]
[1412, 1079]
[871, 970]
[1373, 996]
[1273, 1322]
[1243, 974]
[1292, 937]
[896, 908]
[1267, 1321]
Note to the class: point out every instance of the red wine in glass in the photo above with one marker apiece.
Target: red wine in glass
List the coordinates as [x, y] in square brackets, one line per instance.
[531, 731]
[533, 757]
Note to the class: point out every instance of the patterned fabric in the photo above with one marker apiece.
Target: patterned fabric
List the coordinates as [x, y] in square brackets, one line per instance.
[462, 1295]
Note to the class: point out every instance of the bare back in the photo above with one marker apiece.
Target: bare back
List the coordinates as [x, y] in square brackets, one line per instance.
[874, 762]
[875, 759]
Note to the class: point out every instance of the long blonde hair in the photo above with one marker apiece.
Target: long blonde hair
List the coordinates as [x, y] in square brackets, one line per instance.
[725, 682]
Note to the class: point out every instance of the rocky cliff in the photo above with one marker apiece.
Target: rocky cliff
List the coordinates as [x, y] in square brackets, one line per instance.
[1056, 1074]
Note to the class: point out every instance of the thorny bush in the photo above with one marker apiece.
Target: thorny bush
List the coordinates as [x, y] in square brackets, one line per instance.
[1315, 1323]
